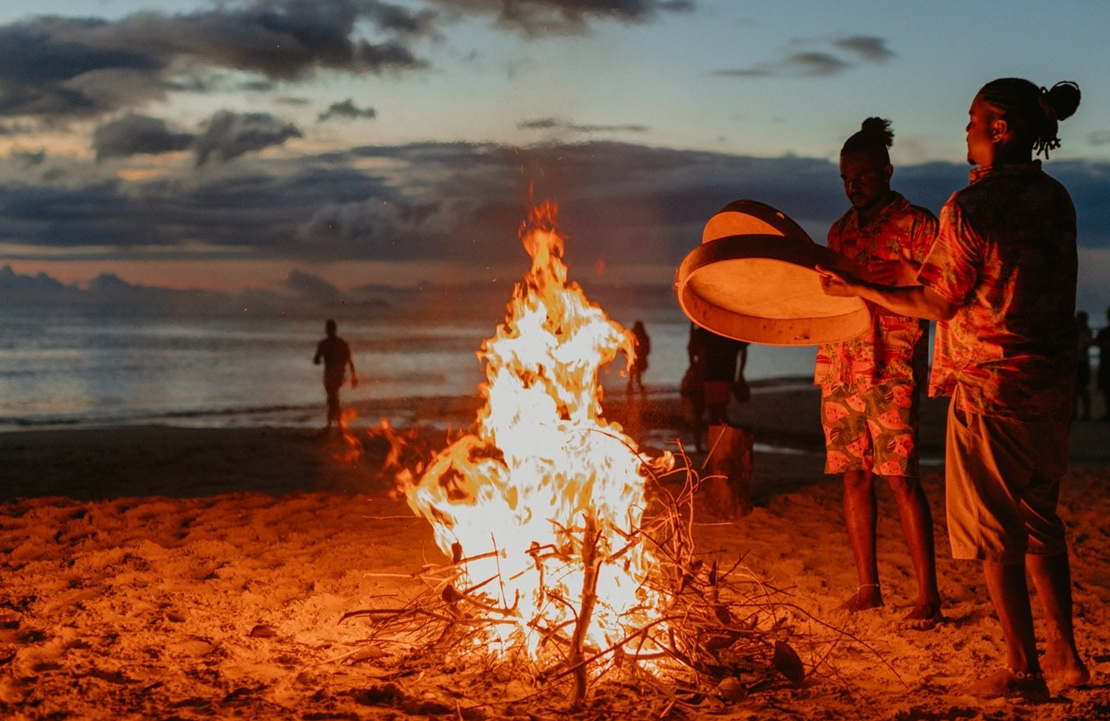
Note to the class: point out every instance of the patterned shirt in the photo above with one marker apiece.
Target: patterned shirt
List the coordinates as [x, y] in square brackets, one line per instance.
[894, 347]
[1006, 254]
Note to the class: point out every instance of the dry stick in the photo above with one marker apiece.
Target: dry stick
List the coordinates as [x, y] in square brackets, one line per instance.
[590, 537]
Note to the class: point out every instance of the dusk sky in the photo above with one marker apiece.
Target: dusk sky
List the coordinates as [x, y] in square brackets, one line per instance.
[229, 145]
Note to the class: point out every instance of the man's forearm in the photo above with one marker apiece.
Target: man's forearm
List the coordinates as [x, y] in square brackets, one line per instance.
[917, 301]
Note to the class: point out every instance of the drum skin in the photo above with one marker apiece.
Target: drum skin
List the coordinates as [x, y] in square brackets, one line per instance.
[753, 279]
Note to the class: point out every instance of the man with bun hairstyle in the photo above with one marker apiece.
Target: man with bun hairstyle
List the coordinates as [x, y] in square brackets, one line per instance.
[1001, 280]
[870, 385]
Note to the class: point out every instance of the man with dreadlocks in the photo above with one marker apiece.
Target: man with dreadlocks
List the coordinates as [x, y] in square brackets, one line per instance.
[1001, 280]
[870, 384]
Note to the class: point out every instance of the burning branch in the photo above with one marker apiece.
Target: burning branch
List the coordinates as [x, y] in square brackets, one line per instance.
[590, 563]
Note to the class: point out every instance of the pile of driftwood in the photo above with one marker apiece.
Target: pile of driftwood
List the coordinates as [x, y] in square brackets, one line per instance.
[723, 633]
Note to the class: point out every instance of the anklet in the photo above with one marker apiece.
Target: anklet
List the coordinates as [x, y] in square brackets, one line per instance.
[1022, 676]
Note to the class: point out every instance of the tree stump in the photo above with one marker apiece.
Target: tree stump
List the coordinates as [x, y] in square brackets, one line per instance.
[728, 481]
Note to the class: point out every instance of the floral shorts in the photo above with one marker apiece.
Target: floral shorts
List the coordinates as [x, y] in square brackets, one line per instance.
[871, 430]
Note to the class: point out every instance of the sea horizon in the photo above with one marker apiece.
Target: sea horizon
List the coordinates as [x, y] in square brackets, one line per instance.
[75, 366]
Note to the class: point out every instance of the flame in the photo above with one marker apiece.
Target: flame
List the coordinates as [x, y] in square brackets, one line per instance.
[542, 504]
[351, 447]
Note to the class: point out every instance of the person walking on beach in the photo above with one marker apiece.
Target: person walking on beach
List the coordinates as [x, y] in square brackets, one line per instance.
[1082, 408]
[1001, 279]
[337, 358]
[870, 385]
[641, 350]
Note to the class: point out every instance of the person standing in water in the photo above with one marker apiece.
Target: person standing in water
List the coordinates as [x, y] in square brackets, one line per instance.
[336, 356]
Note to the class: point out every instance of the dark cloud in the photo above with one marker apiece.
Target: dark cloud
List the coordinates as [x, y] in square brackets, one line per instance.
[556, 124]
[135, 134]
[46, 68]
[463, 204]
[1099, 138]
[225, 136]
[310, 286]
[60, 67]
[817, 63]
[29, 158]
[868, 47]
[536, 18]
[228, 135]
[814, 63]
[346, 109]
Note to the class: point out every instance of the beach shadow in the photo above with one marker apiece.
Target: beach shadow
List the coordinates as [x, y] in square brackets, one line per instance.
[102, 463]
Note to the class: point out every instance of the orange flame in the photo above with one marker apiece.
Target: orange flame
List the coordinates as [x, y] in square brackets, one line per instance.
[352, 448]
[543, 502]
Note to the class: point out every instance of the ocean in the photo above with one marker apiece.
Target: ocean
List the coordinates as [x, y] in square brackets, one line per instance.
[88, 366]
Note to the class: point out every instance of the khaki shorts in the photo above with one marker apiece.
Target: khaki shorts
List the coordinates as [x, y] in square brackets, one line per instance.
[1003, 482]
[871, 430]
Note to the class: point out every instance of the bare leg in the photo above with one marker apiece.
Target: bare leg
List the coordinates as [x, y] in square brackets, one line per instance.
[917, 527]
[860, 516]
[1052, 578]
[1010, 596]
[698, 425]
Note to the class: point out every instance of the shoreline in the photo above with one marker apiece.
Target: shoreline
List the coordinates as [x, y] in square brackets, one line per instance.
[138, 459]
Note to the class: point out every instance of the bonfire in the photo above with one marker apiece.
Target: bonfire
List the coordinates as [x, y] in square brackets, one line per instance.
[569, 560]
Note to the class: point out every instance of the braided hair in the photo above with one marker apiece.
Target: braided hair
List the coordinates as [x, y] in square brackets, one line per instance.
[1034, 111]
[873, 138]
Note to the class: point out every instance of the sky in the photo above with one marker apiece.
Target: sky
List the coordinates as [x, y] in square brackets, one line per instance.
[306, 144]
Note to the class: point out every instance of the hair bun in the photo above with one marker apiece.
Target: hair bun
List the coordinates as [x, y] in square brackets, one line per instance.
[1063, 98]
[878, 131]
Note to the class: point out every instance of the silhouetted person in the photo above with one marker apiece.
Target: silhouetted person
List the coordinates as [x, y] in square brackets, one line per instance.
[336, 355]
[1082, 408]
[1102, 340]
[871, 384]
[718, 363]
[642, 349]
[1000, 279]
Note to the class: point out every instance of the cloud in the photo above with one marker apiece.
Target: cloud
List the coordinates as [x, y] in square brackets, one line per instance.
[228, 135]
[135, 134]
[556, 124]
[817, 63]
[310, 286]
[29, 158]
[460, 204]
[55, 68]
[536, 18]
[814, 63]
[65, 67]
[346, 109]
[224, 136]
[868, 47]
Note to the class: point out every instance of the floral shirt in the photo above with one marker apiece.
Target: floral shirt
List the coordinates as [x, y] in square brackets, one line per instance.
[1006, 254]
[894, 347]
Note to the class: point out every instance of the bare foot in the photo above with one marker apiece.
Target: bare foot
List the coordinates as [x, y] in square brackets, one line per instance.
[866, 596]
[1063, 664]
[924, 617]
[1010, 684]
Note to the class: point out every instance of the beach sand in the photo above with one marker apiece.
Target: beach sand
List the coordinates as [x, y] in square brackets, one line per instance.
[161, 572]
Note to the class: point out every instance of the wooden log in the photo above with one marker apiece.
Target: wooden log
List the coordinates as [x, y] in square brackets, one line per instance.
[728, 482]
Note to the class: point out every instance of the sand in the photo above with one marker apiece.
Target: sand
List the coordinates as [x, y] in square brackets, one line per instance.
[161, 572]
